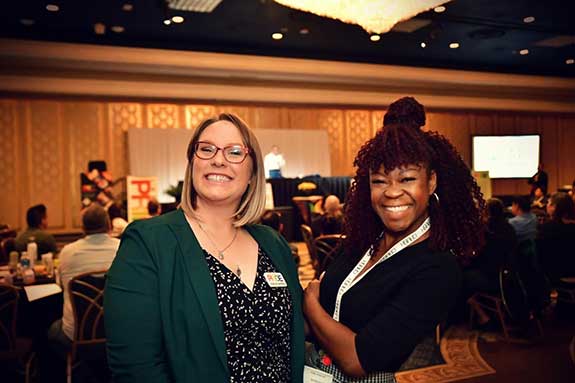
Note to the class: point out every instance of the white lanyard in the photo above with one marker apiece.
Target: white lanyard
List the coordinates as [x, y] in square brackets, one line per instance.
[349, 281]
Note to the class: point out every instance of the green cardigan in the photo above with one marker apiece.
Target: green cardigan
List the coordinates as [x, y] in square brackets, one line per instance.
[162, 317]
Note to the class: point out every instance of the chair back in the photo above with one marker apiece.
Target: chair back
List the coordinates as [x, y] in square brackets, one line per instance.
[513, 295]
[7, 232]
[326, 247]
[8, 312]
[307, 235]
[6, 246]
[536, 285]
[87, 297]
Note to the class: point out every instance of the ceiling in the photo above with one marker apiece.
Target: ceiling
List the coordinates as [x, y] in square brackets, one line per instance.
[490, 33]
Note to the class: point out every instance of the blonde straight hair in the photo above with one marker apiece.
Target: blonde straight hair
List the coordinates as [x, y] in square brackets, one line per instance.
[253, 201]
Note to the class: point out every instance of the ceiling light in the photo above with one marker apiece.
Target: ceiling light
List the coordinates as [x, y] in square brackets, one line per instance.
[177, 19]
[454, 45]
[375, 37]
[167, 21]
[52, 7]
[27, 22]
[569, 61]
[193, 5]
[277, 36]
[118, 28]
[127, 7]
[524, 52]
[375, 16]
[423, 45]
[439, 9]
[528, 19]
[304, 31]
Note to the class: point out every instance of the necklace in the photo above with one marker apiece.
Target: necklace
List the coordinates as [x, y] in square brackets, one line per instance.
[221, 256]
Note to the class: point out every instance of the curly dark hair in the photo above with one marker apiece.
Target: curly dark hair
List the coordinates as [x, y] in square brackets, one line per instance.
[456, 219]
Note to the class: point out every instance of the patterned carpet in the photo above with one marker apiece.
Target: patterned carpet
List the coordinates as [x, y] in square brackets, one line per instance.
[458, 346]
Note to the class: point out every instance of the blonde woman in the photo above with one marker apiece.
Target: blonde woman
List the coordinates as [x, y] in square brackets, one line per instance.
[202, 293]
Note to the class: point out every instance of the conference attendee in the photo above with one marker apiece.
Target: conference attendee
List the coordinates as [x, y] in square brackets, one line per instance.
[203, 294]
[539, 199]
[94, 252]
[413, 210]
[539, 179]
[524, 221]
[557, 237]
[273, 219]
[37, 220]
[273, 163]
[482, 275]
[331, 221]
[154, 208]
[117, 220]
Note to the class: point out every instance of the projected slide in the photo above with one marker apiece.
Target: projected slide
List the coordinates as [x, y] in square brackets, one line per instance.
[506, 156]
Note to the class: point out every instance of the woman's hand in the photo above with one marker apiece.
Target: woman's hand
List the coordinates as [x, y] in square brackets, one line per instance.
[312, 290]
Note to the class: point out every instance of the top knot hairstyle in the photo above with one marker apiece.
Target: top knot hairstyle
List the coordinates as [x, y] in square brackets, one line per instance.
[456, 223]
[405, 110]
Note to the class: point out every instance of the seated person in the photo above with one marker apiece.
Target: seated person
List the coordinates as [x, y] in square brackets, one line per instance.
[539, 202]
[117, 220]
[94, 252]
[556, 237]
[524, 221]
[272, 219]
[37, 219]
[331, 221]
[482, 275]
[154, 208]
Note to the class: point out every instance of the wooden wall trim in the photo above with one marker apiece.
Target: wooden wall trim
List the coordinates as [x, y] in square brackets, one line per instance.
[81, 69]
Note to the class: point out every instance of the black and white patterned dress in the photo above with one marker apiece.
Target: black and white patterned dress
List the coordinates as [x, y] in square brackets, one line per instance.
[256, 323]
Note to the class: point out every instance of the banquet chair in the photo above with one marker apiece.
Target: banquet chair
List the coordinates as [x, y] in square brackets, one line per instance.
[11, 347]
[326, 248]
[89, 343]
[509, 304]
[6, 246]
[307, 235]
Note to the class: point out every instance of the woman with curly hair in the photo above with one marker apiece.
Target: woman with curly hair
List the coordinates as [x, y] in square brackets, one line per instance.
[413, 211]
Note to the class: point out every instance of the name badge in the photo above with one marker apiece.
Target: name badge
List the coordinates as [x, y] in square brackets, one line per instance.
[313, 375]
[275, 279]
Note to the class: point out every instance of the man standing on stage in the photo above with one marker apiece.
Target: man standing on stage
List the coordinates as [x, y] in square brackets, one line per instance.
[273, 162]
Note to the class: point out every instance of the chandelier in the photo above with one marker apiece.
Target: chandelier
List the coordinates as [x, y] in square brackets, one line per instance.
[375, 16]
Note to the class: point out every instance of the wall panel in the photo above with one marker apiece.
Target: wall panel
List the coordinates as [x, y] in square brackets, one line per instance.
[46, 143]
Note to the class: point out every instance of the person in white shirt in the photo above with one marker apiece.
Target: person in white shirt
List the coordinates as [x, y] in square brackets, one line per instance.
[94, 252]
[273, 162]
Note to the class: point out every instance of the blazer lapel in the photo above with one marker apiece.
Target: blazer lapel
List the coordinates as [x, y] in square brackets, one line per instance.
[201, 281]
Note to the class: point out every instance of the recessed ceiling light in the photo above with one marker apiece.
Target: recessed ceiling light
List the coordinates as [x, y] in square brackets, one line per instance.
[167, 21]
[439, 9]
[177, 19]
[304, 31]
[524, 52]
[52, 7]
[528, 19]
[454, 45]
[277, 36]
[423, 45]
[570, 61]
[118, 28]
[375, 37]
[27, 22]
[127, 7]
